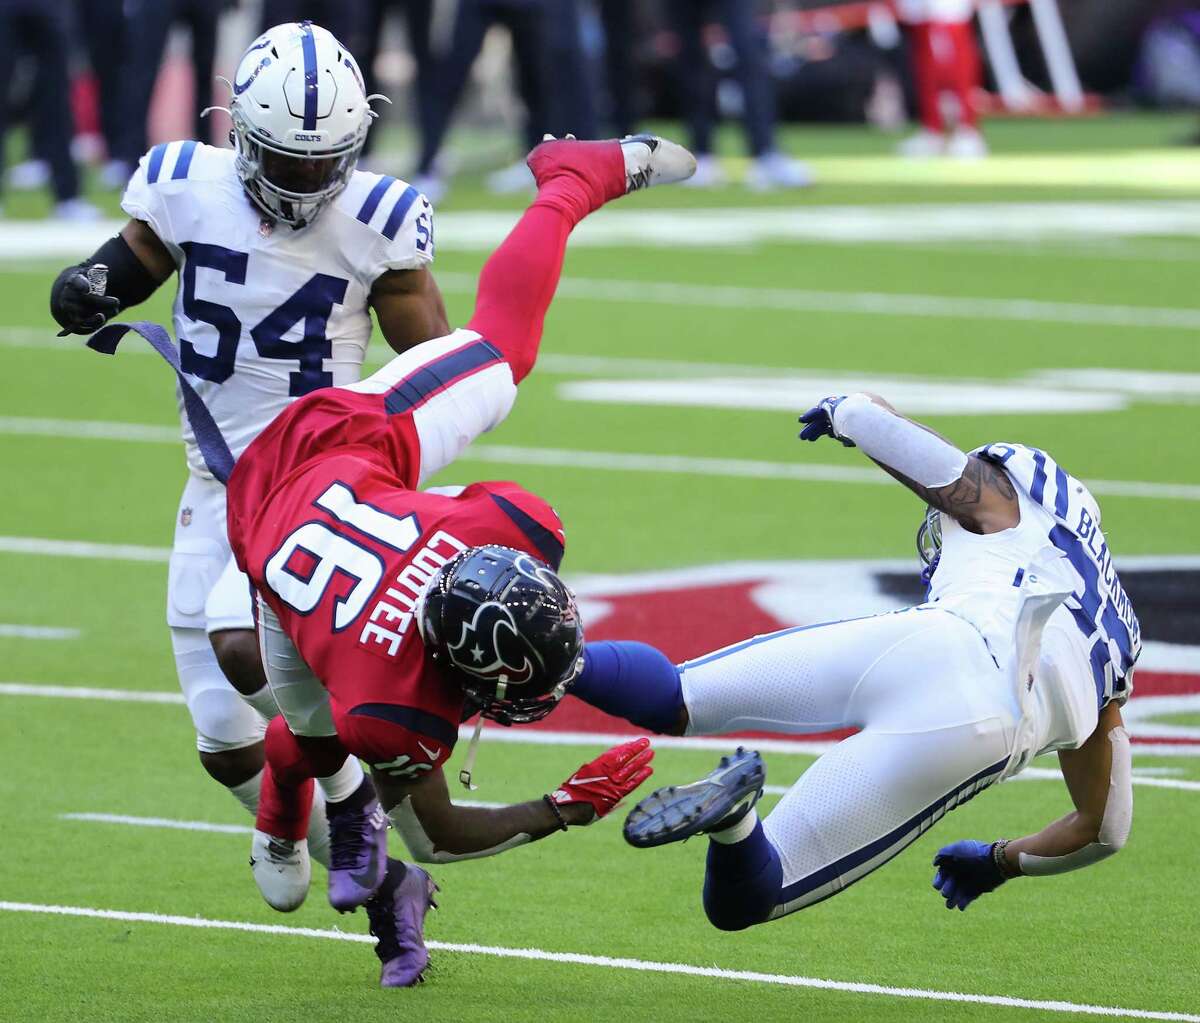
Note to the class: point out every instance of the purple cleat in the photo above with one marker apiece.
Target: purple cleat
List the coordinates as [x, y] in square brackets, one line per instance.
[397, 915]
[357, 849]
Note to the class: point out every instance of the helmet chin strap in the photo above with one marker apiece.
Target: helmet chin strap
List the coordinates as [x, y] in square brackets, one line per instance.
[464, 774]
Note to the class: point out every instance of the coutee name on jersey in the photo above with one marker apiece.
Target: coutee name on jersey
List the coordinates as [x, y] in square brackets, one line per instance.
[392, 614]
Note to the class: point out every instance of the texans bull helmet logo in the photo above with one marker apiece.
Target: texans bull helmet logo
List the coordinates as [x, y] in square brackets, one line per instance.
[492, 648]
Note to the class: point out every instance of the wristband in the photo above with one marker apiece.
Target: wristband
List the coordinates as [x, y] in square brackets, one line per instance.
[1007, 870]
[562, 821]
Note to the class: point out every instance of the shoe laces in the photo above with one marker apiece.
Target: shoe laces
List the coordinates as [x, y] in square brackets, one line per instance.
[346, 834]
[381, 917]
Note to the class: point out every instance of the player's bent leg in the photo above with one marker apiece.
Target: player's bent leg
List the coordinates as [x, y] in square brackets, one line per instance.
[237, 654]
[397, 916]
[871, 797]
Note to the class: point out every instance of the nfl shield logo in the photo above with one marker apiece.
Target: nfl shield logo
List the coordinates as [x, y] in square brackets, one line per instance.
[185, 516]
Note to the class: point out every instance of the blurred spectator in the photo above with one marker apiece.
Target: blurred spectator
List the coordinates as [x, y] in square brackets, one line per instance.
[40, 29]
[526, 23]
[945, 59]
[620, 34]
[769, 167]
[102, 25]
[147, 25]
[346, 19]
[418, 18]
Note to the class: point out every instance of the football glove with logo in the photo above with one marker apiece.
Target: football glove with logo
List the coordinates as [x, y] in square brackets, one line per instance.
[608, 779]
[966, 870]
[819, 420]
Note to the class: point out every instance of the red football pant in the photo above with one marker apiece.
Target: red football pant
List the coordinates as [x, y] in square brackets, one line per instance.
[945, 58]
[287, 782]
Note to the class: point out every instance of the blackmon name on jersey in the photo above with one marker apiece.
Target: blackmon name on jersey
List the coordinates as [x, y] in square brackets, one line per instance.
[1100, 606]
[264, 313]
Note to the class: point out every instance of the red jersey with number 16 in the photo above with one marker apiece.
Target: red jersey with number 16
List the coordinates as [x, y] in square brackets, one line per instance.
[325, 518]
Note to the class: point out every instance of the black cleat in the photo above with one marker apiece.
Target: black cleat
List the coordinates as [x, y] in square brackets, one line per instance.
[713, 803]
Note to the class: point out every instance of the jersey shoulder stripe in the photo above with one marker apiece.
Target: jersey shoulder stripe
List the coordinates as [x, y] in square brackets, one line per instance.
[399, 212]
[170, 161]
[435, 376]
[374, 197]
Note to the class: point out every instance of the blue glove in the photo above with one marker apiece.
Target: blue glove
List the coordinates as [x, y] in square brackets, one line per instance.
[820, 421]
[966, 870]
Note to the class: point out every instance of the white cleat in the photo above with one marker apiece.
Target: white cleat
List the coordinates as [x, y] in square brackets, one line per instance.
[775, 170]
[282, 870]
[77, 211]
[510, 180]
[924, 145]
[966, 144]
[651, 160]
[28, 175]
[432, 186]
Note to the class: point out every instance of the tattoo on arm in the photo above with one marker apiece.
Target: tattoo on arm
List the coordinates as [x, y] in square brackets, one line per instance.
[982, 487]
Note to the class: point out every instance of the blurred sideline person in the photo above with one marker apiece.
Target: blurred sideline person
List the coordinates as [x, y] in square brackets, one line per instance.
[945, 59]
[41, 29]
[418, 22]
[1025, 645]
[283, 249]
[388, 614]
[147, 25]
[769, 168]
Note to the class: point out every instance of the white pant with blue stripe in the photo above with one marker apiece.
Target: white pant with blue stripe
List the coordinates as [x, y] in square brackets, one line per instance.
[936, 719]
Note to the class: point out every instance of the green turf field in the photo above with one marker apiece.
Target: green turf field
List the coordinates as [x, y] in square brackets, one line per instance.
[665, 481]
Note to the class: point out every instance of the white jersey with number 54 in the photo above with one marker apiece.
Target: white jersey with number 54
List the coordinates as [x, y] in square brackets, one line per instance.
[264, 313]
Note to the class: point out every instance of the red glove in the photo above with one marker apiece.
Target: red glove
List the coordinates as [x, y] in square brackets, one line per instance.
[608, 779]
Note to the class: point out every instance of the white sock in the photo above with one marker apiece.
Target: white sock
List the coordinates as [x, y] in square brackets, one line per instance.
[344, 783]
[739, 832]
[247, 793]
[264, 702]
[318, 828]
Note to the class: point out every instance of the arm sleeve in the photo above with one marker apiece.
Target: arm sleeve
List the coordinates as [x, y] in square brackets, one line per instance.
[898, 443]
[1114, 826]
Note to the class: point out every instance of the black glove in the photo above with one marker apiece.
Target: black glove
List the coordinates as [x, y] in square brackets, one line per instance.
[77, 308]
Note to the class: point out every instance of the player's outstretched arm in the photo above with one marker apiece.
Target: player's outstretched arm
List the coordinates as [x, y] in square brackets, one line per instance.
[439, 831]
[1099, 778]
[135, 262]
[974, 492]
[408, 305]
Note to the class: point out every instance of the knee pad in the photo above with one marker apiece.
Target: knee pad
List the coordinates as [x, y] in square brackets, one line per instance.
[222, 719]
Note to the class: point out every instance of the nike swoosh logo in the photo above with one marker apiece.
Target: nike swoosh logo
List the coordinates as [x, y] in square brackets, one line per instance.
[432, 754]
[585, 781]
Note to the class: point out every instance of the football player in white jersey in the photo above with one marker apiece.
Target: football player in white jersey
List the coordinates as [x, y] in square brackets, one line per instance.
[1025, 645]
[282, 249]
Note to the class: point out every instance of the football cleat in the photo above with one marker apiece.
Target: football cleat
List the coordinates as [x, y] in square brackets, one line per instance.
[357, 854]
[397, 915]
[713, 803]
[651, 160]
[282, 870]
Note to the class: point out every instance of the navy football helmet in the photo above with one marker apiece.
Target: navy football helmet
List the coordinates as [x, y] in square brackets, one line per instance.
[504, 625]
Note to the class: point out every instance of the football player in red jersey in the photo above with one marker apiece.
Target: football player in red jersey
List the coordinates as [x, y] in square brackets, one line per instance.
[389, 614]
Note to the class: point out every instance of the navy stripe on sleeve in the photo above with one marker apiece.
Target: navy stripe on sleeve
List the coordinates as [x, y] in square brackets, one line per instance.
[373, 199]
[421, 385]
[1039, 476]
[399, 212]
[156, 162]
[1061, 496]
[549, 546]
[184, 161]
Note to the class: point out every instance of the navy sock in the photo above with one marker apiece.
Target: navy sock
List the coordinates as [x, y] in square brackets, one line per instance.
[743, 881]
[633, 681]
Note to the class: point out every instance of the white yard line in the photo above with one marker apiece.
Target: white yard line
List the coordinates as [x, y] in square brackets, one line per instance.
[614, 963]
[535, 737]
[508, 454]
[36, 632]
[82, 549]
[158, 822]
[864, 303]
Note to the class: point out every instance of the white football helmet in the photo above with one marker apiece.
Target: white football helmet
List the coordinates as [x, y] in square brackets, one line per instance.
[300, 117]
